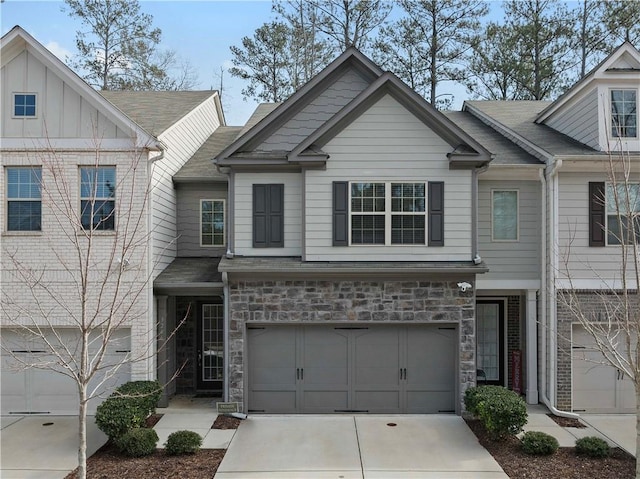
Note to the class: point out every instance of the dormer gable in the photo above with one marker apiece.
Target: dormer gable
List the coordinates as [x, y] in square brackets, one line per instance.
[601, 110]
[45, 104]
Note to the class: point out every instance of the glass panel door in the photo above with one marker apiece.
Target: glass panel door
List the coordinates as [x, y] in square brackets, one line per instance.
[211, 351]
[489, 336]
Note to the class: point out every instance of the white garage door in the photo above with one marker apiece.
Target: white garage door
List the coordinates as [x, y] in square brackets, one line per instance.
[341, 368]
[42, 391]
[598, 387]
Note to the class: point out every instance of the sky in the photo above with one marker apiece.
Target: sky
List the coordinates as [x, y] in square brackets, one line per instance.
[199, 31]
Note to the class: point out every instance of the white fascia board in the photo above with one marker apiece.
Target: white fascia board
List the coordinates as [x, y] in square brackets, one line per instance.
[71, 144]
[599, 284]
[507, 284]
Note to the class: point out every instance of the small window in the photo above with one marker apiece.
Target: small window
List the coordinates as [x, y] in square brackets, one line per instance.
[623, 213]
[367, 213]
[211, 222]
[24, 199]
[24, 104]
[408, 213]
[624, 114]
[504, 215]
[97, 198]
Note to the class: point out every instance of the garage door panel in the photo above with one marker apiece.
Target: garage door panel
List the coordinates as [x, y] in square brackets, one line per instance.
[276, 402]
[430, 401]
[378, 402]
[324, 401]
[325, 354]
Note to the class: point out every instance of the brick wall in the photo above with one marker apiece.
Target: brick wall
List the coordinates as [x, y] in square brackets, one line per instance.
[314, 301]
[513, 334]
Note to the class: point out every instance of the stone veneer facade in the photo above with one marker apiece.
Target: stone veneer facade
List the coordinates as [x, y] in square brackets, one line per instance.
[300, 301]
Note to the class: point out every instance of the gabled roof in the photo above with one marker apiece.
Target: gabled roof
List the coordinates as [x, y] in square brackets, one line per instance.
[260, 112]
[156, 111]
[351, 58]
[200, 166]
[626, 55]
[466, 150]
[17, 40]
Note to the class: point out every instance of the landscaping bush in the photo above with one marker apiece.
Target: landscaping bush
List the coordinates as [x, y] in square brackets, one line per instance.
[592, 446]
[539, 443]
[127, 407]
[502, 412]
[183, 442]
[137, 442]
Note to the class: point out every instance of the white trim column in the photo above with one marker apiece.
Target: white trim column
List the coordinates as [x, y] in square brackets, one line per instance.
[532, 347]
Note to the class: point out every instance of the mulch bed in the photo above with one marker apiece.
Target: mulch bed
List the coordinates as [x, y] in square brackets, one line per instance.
[226, 422]
[564, 464]
[152, 420]
[566, 421]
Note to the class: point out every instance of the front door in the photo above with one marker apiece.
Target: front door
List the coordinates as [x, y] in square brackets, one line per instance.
[210, 361]
[490, 341]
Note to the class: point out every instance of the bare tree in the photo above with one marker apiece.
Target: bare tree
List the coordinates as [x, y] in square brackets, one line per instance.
[611, 316]
[87, 289]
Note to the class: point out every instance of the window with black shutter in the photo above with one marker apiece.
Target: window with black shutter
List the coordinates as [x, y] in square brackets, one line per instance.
[268, 216]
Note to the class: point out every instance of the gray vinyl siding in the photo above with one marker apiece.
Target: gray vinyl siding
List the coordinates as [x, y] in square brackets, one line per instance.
[518, 260]
[388, 143]
[579, 120]
[583, 261]
[189, 196]
[292, 213]
[312, 116]
[182, 139]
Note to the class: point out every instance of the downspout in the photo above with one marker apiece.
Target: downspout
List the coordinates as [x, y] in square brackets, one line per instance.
[153, 374]
[225, 333]
[549, 323]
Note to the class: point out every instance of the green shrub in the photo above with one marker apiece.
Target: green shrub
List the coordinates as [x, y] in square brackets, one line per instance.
[127, 407]
[539, 443]
[592, 446]
[183, 442]
[502, 412]
[137, 442]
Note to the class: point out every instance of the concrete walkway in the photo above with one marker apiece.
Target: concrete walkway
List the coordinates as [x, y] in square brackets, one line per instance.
[370, 447]
[617, 429]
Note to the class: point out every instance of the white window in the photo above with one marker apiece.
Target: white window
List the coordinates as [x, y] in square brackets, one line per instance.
[504, 215]
[24, 105]
[24, 199]
[624, 113]
[211, 222]
[98, 197]
[387, 213]
[623, 213]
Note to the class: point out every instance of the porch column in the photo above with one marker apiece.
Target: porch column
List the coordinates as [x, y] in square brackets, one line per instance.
[161, 324]
[532, 347]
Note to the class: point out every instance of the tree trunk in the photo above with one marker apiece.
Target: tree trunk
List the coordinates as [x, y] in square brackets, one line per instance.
[82, 429]
[637, 429]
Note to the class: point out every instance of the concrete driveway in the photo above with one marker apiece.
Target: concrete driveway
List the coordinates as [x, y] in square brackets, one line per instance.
[43, 447]
[369, 447]
[620, 429]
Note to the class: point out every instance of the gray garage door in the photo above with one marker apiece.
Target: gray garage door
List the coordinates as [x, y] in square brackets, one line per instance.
[42, 391]
[598, 387]
[329, 369]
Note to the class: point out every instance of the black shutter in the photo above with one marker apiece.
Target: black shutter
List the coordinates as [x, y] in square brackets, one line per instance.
[260, 202]
[596, 214]
[340, 213]
[436, 213]
[276, 216]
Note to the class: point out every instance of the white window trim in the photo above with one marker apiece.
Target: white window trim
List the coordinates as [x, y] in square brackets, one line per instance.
[610, 114]
[387, 213]
[517, 239]
[115, 200]
[224, 226]
[7, 199]
[13, 105]
[606, 215]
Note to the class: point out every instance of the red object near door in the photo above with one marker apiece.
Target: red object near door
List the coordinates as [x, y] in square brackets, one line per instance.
[516, 368]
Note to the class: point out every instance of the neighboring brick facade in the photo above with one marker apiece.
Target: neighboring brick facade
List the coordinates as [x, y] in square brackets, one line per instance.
[339, 301]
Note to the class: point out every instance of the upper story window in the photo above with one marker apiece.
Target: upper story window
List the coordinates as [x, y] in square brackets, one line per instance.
[24, 105]
[212, 222]
[623, 213]
[504, 215]
[24, 199]
[268, 216]
[624, 113]
[97, 197]
[388, 213]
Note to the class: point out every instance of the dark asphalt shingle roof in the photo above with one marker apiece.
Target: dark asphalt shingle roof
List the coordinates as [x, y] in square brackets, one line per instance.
[155, 111]
[505, 152]
[189, 271]
[519, 116]
[260, 112]
[200, 166]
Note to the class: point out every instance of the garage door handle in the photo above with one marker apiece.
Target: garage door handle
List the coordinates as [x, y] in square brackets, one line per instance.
[403, 373]
[300, 373]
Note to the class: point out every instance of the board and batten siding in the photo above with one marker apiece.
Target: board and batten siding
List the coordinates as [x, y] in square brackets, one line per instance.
[243, 221]
[189, 196]
[317, 112]
[517, 260]
[584, 262]
[183, 139]
[388, 143]
[580, 120]
[61, 112]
